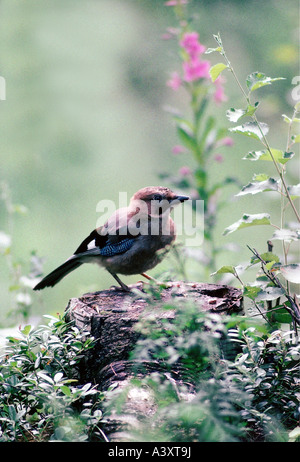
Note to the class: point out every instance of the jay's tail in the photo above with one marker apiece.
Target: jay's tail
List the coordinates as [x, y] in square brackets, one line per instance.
[55, 276]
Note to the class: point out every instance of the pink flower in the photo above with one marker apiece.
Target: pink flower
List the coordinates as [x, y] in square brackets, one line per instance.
[219, 158]
[191, 44]
[176, 2]
[166, 36]
[178, 149]
[173, 30]
[196, 69]
[174, 82]
[185, 171]
[170, 33]
[219, 95]
[226, 141]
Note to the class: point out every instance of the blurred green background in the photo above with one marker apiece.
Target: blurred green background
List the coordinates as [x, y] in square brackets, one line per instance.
[85, 118]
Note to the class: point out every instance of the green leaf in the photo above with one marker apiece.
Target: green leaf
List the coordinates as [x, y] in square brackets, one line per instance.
[286, 234]
[187, 137]
[251, 291]
[260, 177]
[251, 129]
[216, 70]
[14, 287]
[270, 265]
[279, 156]
[259, 186]
[12, 412]
[199, 110]
[217, 37]
[267, 257]
[296, 138]
[225, 269]
[45, 377]
[258, 79]
[58, 376]
[269, 293]
[201, 177]
[287, 119]
[26, 330]
[207, 132]
[281, 315]
[248, 220]
[19, 208]
[251, 109]
[291, 272]
[212, 50]
[235, 114]
[294, 190]
[66, 390]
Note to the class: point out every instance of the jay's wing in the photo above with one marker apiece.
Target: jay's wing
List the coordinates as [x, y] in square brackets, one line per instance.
[96, 244]
[110, 239]
[106, 241]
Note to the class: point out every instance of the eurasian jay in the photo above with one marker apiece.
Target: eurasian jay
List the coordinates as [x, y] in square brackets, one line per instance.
[131, 240]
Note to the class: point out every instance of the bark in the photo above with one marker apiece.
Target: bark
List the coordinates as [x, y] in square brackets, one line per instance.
[111, 317]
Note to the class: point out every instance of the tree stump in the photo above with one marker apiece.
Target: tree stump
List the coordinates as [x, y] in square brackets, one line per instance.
[111, 316]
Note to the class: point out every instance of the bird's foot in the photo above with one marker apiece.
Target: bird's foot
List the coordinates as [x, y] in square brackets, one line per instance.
[123, 288]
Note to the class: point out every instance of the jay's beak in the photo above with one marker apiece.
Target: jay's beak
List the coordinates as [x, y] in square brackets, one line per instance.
[181, 198]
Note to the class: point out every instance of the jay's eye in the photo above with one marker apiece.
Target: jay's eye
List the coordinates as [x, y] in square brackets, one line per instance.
[157, 197]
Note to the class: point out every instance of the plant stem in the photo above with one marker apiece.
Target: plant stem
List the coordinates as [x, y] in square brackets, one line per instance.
[288, 196]
[254, 118]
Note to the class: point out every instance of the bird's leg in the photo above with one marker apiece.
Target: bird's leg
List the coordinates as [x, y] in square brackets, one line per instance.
[150, 278]
[123, 286]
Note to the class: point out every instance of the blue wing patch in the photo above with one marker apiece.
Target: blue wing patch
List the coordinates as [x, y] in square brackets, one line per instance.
[113, 249]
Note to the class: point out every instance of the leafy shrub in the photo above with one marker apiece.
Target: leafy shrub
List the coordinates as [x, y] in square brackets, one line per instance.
[245, 393]
[268, 370]
[41, 397]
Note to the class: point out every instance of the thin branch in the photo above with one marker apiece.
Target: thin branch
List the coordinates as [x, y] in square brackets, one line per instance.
[294, 309]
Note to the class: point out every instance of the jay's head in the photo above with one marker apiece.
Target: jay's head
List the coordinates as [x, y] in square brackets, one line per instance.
[156, 200]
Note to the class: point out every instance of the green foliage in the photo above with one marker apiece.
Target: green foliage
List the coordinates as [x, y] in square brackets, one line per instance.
[252, 130]
[216, 70]
[234, 115]
[249, 220]
[237, 383]
[279, 273]
[257, 80]
[267, 369]
[183, 339]
[256, 187]
[236, 380]
[41, 397]
[271, 155]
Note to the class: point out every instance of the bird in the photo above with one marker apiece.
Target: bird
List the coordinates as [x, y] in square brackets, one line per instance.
[132, 240]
